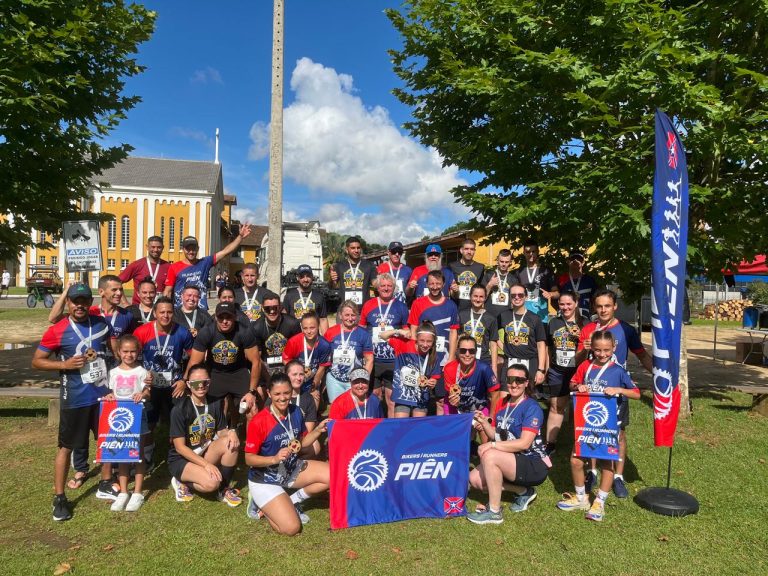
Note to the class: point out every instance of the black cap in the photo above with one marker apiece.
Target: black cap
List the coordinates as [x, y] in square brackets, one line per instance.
[223, 308]
[78, 291]
[304, 269]
[395, 247]
[189, 241]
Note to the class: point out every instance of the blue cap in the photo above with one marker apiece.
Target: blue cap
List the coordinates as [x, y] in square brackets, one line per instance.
[433, 249]
[78, 291]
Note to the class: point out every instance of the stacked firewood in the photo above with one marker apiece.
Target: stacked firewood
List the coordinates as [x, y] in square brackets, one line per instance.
[727, 309]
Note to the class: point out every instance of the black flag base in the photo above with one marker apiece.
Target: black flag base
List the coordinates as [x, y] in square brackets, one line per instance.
[667, 501]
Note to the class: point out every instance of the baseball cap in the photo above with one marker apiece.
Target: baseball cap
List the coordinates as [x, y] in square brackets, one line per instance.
[576, 255]
[78, 291]
[433, 249]
[359, 374]
[189, 241]
[304, 269]
[223, 308]
[395, 247]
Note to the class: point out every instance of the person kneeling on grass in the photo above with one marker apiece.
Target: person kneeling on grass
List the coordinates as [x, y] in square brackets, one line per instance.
[203, 451]
[275, 443]
[517, 455]
[603, 375]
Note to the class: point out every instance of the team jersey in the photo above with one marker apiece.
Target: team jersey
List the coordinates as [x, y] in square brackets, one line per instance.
[377, 316]
[512, 420]
[139, 316]
[316, 356]
[346, 407]
[139, 270]
[297, 303]
[467, 275]
[163, 354]
[355, 281]
[250, 302]
[522, 333]
[444, 315]
[272, 340]
[82, 386]
[266, 435]
[198, 425]
[401, 276]
[409, 366]
[483, 327]
[563, 340]
[475, 385]
[584, 287]
[225, 352]
[498, 299]
[625, 336]
[125, 383]
[420, 275]
[306, 404]
[535, 280]
[347, 350]
[192, 321]
[121, 321]
[597, 380]
[182, 274]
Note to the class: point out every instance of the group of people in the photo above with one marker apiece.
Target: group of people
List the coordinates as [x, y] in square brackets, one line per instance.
[442, 339]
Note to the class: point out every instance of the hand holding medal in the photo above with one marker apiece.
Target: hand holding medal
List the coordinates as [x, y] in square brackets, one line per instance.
[295, 445]
[454, 395]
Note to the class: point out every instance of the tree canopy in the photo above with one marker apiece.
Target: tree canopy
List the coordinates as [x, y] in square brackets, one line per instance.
[552, 103]
[62, 71]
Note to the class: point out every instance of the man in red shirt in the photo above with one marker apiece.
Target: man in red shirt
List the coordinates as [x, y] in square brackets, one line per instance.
[151, 266]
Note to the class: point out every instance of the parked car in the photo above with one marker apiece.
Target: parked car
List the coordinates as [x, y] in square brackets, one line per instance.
[45, 279]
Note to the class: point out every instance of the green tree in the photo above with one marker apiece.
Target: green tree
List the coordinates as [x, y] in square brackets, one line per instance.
[552, 103]
[458, 227]
[62, 70]
[333, 248]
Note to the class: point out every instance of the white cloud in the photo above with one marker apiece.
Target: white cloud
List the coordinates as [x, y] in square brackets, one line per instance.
[260, 215]
[206, 75]
[380, 182]
[192, 134]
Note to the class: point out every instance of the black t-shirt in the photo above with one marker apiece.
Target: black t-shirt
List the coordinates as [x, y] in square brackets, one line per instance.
[198, 318]
[467, 275]
[250, 302]
[139, 316]
[355, 283]
[185, 423]
[226, 352]
[563, 340]
[541, 278]
[498, 299]
[272, 341]
[314, 301]
[306, 404]
[486, 330]
[521, 335]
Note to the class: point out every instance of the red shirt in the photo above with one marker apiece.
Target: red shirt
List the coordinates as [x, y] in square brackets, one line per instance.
[138, 271]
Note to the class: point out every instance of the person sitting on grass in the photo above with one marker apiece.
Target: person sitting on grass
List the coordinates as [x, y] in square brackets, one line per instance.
[357, 403]
[605, 376]
[516, 459]
[276, 442]
[130, 381]
[203, 451]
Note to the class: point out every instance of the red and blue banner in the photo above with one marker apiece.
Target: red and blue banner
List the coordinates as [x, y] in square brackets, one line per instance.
[119, 433]
[385, 470]
[595, 426]
[669, 248]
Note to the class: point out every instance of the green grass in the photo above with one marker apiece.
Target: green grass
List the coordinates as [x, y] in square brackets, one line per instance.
[720, 323]
[39, 313]
[720, 457]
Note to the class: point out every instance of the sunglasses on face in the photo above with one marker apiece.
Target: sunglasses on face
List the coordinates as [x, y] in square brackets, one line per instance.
[517, 294]
[433, 255]
[519, 380]
[271, 309]
[197, 384]
[467, 350]
[400, 252]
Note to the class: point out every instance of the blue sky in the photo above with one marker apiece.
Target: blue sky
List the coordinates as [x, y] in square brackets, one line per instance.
[348, 161]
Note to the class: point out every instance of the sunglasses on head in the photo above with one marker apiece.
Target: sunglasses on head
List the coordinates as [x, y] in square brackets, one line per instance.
[518, 380]
[271, 309]
[467, 350]
[197, 384]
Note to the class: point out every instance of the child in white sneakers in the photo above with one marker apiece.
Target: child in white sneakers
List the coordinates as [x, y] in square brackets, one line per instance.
[129, 382]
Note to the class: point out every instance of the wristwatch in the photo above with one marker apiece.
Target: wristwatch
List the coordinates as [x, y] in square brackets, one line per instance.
[541, 370]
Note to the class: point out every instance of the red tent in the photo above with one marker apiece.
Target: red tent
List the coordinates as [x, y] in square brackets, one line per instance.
[758, 267]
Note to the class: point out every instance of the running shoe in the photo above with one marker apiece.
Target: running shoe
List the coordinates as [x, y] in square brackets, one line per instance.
[590, 481]
[302, 515]
[252, 511]
[106, 490]
[572, 502]
[119, 504]
[61, 509]
[135, 502]
[181, 491]
[620, 488]
[522, 501]
[485, 517]
[231, 496]
[596, 512]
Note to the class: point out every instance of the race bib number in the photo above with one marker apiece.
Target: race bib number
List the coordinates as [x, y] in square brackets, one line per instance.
[274, 360]
[94, 372]
[162, 379]
[526, 363]
[565, 358]
[355, 295]
[440, 344]
[464, 292]
[399, 286]
[409, 377]
[499, 298]
[344, 357]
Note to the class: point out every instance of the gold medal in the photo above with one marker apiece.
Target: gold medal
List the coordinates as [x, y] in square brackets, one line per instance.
[502, 297]
[423, 381]
[308, 371]
[382, 326]
[90, 355]
[454, 390]
[295, 445]
[575, 330]
[193, 332]
[516, 341]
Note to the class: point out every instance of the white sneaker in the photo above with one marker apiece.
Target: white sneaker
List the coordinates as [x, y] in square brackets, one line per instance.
[137, 499]
[119, 504]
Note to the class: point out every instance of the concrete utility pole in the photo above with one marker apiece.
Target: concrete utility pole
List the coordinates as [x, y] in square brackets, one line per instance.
[275, 242]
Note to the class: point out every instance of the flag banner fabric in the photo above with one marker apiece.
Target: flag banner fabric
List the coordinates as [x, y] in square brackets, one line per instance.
[595, 426]
[119, 435]
[385, 470]
[669, 248]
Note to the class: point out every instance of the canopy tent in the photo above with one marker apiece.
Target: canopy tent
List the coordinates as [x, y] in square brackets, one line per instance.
[757, 270]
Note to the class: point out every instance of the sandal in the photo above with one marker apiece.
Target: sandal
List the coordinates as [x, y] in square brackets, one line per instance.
[77, 481]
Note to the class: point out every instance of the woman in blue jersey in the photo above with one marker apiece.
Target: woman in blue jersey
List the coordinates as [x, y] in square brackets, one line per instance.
[350, 348]
[275, 443]
[470, 384]
[516, 457]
